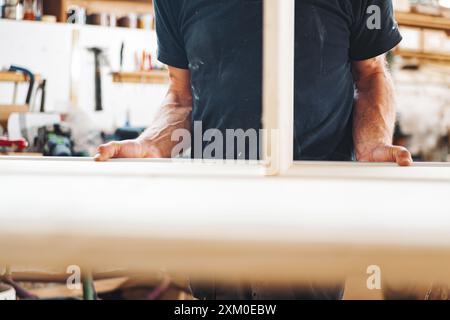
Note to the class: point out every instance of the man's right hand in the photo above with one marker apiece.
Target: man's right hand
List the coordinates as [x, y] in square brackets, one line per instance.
[156, 142]
[126, 149]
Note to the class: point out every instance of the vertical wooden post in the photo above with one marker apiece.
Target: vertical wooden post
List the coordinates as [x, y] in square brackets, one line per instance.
[278, 84]
[75, 65]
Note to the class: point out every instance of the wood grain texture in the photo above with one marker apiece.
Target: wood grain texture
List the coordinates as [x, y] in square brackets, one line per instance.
[322, 221]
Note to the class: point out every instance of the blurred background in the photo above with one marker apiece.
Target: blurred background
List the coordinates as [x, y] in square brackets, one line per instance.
[75, 73]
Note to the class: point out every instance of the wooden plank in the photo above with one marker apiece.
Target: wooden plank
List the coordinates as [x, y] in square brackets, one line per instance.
[356, 289]
[7, 76]
[385, 172]
[101, 286]
[423, 55]
[422, 21]
[149, 77]
[278, 85]
[49, 275]
[126, 214]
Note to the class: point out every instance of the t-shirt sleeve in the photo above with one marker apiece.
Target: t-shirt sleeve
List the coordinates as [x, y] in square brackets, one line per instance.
[171, 49]
[374, 31]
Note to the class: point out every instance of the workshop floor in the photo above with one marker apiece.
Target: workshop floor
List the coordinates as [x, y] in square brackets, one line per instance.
[356, 289]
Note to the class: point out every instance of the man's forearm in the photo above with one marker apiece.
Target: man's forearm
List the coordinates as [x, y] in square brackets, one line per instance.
[175, 113]
[156, 141]
[374, 112]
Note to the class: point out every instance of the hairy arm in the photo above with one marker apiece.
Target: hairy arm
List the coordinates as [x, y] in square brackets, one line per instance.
[156, 141]
[374, 114]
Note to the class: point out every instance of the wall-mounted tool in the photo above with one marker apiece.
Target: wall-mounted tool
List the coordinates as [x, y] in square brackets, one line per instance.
[97, 78]
[41, 88]
[99, 59]
[30, 77]
[122, 49]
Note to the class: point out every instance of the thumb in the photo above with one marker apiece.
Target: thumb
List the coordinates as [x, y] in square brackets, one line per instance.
[107, 151]
[397, 154]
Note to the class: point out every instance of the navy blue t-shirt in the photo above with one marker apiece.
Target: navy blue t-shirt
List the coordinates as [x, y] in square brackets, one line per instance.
[220, 42]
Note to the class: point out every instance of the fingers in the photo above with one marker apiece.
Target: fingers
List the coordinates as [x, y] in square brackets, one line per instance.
[402, 156]
[399, 155]
[107, 151]
[126, 149]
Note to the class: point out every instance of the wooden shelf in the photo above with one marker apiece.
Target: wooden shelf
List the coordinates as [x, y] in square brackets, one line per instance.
[150, 77]
[8, 76]
[422, 21]
[117, 7]
[423, 55]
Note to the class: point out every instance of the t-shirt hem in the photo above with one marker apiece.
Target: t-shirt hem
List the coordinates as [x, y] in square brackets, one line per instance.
[172, 61]
[381, 49]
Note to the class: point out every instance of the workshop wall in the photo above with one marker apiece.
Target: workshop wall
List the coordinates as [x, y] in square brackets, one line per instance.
[43, 48]
[423, 102]
[59, 52]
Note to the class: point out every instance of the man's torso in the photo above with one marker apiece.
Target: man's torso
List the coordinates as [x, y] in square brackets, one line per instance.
[223, 43]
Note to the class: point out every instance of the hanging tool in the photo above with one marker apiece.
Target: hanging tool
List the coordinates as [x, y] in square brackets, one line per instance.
[99, 58]
[31, 79]
[41, 88]
[122, 49]
[29, 75]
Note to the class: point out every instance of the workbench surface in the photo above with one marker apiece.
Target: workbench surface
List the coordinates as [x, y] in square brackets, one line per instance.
[322, 220]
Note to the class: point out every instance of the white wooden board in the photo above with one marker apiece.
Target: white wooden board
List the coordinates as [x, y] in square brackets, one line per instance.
[324, 221]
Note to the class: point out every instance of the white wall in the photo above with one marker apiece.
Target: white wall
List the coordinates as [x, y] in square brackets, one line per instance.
[423, 99]
[53, 51]
[41, 47]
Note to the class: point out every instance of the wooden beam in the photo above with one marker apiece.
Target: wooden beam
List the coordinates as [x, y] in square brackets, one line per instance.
[124, 214]
[278, 84]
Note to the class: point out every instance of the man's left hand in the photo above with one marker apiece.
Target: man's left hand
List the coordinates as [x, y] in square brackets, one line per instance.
[386, 153]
